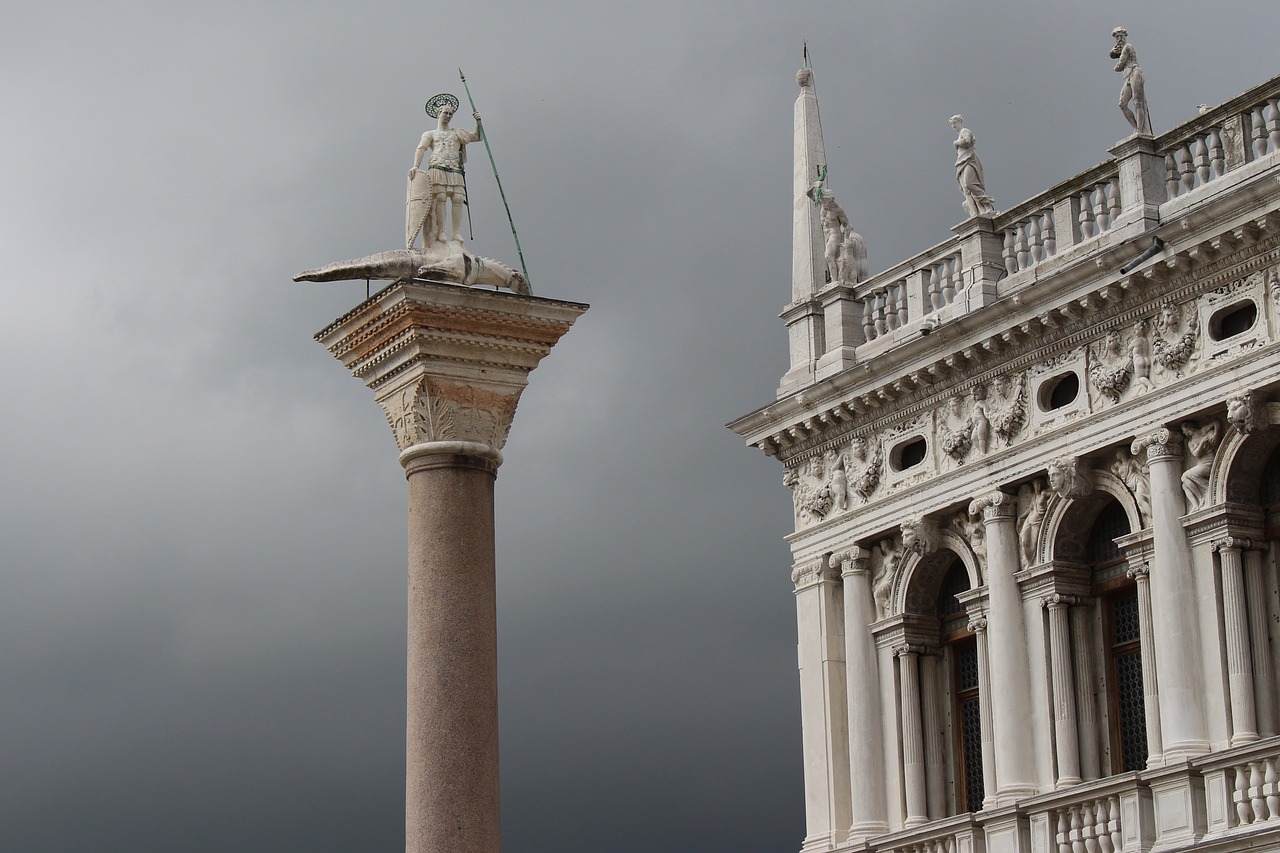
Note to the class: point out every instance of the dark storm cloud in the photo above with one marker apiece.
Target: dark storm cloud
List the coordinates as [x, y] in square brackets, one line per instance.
[202, 527]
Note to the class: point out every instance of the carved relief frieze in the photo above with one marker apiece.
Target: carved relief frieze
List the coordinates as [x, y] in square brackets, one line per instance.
[1173, 341]
[1033, 502]
[1110, 367]
[1202, 440]
[833, 483]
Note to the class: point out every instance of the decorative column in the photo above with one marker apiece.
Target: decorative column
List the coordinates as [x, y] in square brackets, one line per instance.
[1263, 674]
[1140, 575]
[448, 364]
[1086, 712]
[824, 717]
[1064, 697]
[1173, 595]
[935, 762]
[1235, 618]
[1007, 648]
[862, 671]
[912, 735]
[978, 625]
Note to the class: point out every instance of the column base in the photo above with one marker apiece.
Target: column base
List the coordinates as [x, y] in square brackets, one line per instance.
[1068, 782]
[1013, 793]
[869, 829]
[1174, 753]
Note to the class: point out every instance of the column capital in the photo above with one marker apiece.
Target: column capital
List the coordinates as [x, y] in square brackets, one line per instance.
[1232, 543]
[909, 649]
[811, 573]
[994, 505]
[854, 560]
[448, 363]
[1159, 445]
[978, 624]
[1138, 571]
[1059, 600]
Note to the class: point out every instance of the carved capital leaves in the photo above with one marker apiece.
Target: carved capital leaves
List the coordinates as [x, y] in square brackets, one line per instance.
[432, 409]
[1159, 445]
[994, 505]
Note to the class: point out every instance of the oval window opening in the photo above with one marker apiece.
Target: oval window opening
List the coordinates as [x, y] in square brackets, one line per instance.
[1233, 320]
[1059, 391]
[908, 454]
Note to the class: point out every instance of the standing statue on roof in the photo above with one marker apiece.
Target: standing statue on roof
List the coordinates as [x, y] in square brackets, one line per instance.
[443, 179]
[969, 172]
[1134, 88]
[844, 249]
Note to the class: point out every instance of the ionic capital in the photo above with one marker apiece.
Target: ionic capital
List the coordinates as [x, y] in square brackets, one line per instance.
[1159, 445]
[1059, 600]
[1138, 572]
[995, 505]
[805, 575]
[909, 649]
[854, 560]
[1232, 543]
[978, 624]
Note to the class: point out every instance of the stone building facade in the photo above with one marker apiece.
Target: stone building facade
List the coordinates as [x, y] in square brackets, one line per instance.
[1036, 480]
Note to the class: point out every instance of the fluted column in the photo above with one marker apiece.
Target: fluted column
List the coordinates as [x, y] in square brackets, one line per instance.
[978, 625]
[824, 717]
[1007, 649]
[1086, 712]
[935, 761]
[1064, 696]
[912, 735]
[1263, 674]
[866, 754]
[447, 364]
[1235, 618]
[1150, 684]
[1173, 602]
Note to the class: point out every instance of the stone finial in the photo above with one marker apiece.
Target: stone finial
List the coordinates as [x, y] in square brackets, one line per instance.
[1069, 478]
[804, 78]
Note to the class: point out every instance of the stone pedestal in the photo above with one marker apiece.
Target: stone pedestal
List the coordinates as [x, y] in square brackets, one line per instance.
[447, 364]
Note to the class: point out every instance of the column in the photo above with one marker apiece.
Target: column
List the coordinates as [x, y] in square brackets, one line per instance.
[1174, 619]
[1263, 677]
[1150, 685]
[1086, 709]
[1007, 650]
[824, 716]
[935, 761]
[862, 672]
[1235, 618]
[978, 625]
[912, 735]
[447, 364]
[1064, 697]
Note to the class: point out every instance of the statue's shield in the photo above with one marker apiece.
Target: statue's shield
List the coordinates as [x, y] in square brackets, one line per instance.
[417, 208]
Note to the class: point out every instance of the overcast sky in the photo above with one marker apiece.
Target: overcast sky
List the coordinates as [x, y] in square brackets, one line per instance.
[202, 533]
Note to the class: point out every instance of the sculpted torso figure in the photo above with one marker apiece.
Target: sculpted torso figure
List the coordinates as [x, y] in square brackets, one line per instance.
[1134, 88]
[1140, 353]
[969, 172]
[882, 587]
[1202, 441]
[843, 248]
[442, 180]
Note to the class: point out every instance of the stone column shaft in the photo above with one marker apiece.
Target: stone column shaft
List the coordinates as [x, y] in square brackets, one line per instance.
[1263, 677]
[1150, 684]
[1235, 618]
[935, 761]
[1174, 614]
[1064, 696]
[979, 627]
[912, 736]
[1007, 649]
[451, 788]
[862, 671]
[1086, 711]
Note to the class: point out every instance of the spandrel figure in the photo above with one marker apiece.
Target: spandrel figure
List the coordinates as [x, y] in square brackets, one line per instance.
[969, 172]
[1134, 88]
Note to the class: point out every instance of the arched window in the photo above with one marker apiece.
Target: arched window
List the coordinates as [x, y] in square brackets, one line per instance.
[1122, 646]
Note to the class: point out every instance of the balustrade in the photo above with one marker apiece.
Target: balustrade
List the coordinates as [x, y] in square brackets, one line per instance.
[1030, 241]
[1092, 826]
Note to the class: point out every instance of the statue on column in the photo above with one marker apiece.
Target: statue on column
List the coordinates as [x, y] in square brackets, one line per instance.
[969, 172]
[436, 192]
[1134, 89]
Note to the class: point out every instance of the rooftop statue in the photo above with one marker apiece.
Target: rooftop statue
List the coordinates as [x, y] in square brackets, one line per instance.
[844, 248]
[1134, 88]
[434, 191]
[969, 172]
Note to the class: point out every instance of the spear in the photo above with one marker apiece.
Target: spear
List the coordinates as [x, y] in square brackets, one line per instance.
[484, 137]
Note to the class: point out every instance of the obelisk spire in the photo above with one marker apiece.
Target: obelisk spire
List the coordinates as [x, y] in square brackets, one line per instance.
[810, 164]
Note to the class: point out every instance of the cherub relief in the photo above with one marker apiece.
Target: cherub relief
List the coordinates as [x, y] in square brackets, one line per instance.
[1202, 442]
[1173, 345]
[1006, 407]
[1140, 355]
[837, 480]
[863, 466]
[1111, 367]
[954, 429]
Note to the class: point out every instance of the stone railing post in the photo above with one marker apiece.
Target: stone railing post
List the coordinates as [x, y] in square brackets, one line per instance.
[1142, 187]
[447, 364]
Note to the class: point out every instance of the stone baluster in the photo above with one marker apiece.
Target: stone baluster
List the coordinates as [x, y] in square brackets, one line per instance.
[1084, 202]
[1273, 125]
[1101, 211]
[882, 324]
[935, 756]
[1244, 721]
[949, 281]
[1201, 149]
[1112, 190]
[1173, 598]
[904, 313]
[1023, 246]
[1035, 239]
[1217, 162]
[1188, 169]
[1064, 695]
[1050, 237]
[932, 277]
[1007, 649]
[1171, 175]
[978, 625]
[1082, 661]
[1009, 254]
[866, 755]
[869, 330]
[912, 735]
[1264, 683]
[1140, 575]
[1259, 134]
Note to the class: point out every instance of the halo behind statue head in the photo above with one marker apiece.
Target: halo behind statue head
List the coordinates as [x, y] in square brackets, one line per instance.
[438, 101]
